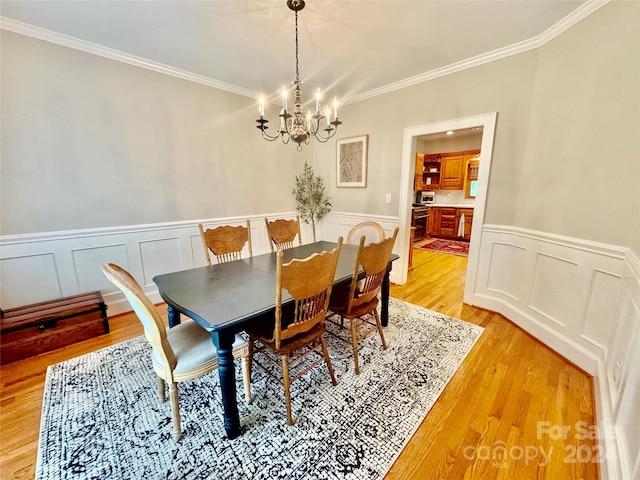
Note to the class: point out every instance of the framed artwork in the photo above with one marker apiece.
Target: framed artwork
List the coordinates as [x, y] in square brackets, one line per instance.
[351, 161]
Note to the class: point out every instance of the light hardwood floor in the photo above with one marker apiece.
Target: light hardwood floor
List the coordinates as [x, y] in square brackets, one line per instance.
[511, 411]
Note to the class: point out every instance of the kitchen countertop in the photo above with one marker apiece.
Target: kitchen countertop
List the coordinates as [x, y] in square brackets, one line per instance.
[452, 205]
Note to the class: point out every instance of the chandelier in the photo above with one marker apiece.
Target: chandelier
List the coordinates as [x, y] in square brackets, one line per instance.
[297, 125]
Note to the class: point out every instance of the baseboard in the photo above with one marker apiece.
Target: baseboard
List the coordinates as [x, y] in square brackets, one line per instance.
[564, 346]
[582, 299]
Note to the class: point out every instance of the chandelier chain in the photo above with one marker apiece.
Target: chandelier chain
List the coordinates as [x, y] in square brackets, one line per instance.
[297, 69]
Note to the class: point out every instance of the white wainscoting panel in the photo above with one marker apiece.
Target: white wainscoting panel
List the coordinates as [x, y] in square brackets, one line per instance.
[28, 279]
[501, 279]
[629, 415]
[87, 262]
[53, 265]
[197, 250]
[625, 339]
[555, 290]
[159, 256]
[582, 299]
[605, 287]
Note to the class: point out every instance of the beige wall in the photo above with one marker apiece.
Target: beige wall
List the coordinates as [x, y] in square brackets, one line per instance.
[581, 168]
[90, 142]
[505, 87]
[566, 156]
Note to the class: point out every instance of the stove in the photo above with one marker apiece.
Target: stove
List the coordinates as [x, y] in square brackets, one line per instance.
[419, 217]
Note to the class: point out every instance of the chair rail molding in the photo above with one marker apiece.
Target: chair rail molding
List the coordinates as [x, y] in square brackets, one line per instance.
[45, 266]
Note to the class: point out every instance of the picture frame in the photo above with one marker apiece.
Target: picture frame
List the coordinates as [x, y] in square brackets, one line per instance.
[351, 161]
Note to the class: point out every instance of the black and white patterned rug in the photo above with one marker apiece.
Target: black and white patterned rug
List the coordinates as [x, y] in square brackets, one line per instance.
[102, 418]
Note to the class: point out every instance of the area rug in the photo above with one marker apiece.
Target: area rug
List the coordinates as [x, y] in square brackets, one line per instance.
[446, 246]
[101, 416]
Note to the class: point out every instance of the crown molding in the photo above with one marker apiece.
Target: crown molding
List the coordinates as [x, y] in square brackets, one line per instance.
[95, 49]
[574, 17]
[567, 22]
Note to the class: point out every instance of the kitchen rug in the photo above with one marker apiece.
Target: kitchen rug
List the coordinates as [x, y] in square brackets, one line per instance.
[446, 246]
[101, 416]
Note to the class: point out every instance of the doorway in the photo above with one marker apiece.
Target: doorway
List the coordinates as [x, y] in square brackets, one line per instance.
[488, 123]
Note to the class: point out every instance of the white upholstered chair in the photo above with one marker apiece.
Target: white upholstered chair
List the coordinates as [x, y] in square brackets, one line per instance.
[181, 353]
[372, 231]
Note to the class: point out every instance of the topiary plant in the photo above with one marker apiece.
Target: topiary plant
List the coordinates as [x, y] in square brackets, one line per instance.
[313, 204]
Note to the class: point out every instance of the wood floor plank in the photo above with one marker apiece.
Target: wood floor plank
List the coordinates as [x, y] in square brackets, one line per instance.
[508, 393]
[511, 392]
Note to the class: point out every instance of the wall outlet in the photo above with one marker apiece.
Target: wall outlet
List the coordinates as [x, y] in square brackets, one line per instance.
[387, 198]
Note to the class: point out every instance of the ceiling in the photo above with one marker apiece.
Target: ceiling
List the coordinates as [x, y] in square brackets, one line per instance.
[350, 49]
[463, 132]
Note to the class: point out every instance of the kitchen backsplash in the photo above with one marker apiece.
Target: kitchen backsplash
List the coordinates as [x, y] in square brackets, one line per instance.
[453, 197]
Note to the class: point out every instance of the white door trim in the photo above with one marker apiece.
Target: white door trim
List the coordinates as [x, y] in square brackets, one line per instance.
[488, 123]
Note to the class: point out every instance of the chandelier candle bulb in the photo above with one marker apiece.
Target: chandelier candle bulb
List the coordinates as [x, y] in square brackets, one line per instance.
[318, 95]
[261, 106]
[284, 98]
[335, 108]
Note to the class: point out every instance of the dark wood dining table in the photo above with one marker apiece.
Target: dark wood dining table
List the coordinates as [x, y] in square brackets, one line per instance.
[225, 298]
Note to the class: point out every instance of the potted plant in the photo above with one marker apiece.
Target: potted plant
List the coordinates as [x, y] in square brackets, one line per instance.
[313, 204]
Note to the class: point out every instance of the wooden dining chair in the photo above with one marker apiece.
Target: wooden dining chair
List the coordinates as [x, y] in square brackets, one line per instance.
[299, 325]
[226, 242]
[181, 353]
[358, 301]
[373, 232]
[282, 233]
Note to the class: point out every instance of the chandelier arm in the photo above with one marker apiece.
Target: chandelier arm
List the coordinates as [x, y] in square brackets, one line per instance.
[322, 138]
[268, 137]
[263, 128]
[314, 125]
[287, 124]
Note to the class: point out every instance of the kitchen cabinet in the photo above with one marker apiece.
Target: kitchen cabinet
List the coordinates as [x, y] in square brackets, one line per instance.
[431, 174]
[442, 221]
[468, 221]
[427, 172]
[445, 222]
[417, 183]
[448, 224]
[443, 171]
[433, 223]
[452, 173]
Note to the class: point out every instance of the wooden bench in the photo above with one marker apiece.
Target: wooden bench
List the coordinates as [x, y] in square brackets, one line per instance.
[41, 327]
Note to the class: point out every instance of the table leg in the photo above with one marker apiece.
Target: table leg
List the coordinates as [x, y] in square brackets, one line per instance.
[384, 298]
[173, 316]
[226, 371]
